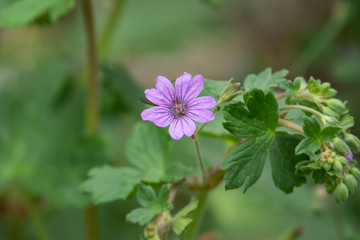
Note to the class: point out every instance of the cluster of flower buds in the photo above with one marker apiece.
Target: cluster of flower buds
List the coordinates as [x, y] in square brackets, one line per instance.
[333, 164]
[230, 92]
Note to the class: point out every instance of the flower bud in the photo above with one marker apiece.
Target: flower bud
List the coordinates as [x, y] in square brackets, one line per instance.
[330, 188]
[230, 92]
[329, 112]
[340, 145]
[351, 182]
[353, 142]
[356, 172]
[326, 166]
[336, 105]
[343, 160]
[341, 193]
[337, 166]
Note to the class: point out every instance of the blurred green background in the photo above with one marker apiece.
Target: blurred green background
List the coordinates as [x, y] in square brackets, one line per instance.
[44, 153]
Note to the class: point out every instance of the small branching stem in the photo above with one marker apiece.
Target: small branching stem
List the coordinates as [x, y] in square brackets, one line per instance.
[200, 160]
[291, 125]
[280, 96]
[306, 109]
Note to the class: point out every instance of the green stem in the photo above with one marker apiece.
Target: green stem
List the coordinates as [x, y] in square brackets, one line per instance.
[110, 26]
[200, 161]
[197, 217]
[92, 101]
[291, 125]
[306, 109]
[39, 227]
[92, 104]
[15, 229]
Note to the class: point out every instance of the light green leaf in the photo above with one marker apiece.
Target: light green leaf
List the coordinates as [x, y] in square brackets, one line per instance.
[110, 183]
[152, 204]
[264, 80]
[22, 12]
[283, 161]
[180, 220]
[148, 148]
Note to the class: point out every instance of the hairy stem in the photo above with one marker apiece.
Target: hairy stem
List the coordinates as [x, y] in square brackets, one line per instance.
[280, 95]
[306, 109]
[110, 26]
[200, 160]
[291, 125]
[92, 101]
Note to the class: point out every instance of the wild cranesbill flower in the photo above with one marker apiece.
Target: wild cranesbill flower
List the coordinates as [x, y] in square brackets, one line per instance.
[349, 156]
[179, 107]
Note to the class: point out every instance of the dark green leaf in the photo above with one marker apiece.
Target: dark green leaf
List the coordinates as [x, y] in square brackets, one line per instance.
[260, 117]
[308, 146]
[244, 165]
[283, 161]
[329, 132]
[312, 128]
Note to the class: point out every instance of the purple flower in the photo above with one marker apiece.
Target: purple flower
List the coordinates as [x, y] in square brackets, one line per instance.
[179, 107]
[349, 156]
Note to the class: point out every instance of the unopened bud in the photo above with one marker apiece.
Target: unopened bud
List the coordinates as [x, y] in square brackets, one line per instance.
[340, 145]
[341, 193]
[353, 142]
[326, 166]
[337, 166]
[329, 112]
[356, 172]
[330, 188]
[351, 182]
[336, 105]
[230, 92]
[343, 160]
[349, 157]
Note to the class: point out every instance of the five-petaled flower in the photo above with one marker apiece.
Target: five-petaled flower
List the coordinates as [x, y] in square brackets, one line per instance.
[180, 106]
[349, 156]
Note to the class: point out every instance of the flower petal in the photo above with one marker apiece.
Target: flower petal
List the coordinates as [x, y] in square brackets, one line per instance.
[206, 102]
[187, 88]
[175, 129]
[161, 116]
[166, 88]
[188, 126]
[182, 85]
[157, 97]
[201, 116]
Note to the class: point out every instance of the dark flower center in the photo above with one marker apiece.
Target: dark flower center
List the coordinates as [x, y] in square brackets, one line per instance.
[178, 109]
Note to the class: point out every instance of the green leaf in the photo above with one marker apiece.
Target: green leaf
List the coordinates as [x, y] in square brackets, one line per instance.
[180, 220]
[22, 12]
[308, 146]
[244, 165]
[286, 85]
[110, 183]
[263, 80]
[148, 148]
[283, 161]
[321, 89]
[329, 132]
[312, 128]
[152, 205]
